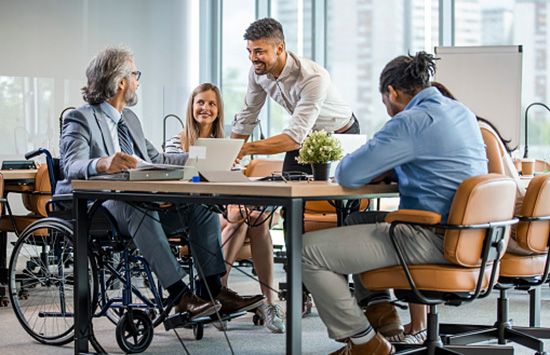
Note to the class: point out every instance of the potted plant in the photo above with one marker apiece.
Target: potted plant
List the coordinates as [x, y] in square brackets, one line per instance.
[319, 149]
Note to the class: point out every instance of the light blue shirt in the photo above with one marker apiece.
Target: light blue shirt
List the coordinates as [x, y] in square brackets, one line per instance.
[112, 123]
[432, 145]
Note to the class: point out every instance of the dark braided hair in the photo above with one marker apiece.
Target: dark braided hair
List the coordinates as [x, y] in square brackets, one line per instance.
[264, 28]
[408, 73]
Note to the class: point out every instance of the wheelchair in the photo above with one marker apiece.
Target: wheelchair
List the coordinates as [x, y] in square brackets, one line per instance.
[123, 288]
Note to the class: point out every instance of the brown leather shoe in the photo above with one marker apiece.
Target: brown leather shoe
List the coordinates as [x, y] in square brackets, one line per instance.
[384, 319]
[196, 306]
[376, 346]
[232, 302]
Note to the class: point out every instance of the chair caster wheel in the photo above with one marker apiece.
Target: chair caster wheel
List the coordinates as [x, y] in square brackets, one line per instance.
[4, 302]
[258, 320]
[23, 295]
[198, 331]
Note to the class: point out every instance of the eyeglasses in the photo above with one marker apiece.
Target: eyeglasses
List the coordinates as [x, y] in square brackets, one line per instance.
[137, 73]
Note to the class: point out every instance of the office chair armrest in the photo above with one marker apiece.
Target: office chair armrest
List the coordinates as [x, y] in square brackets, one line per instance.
[413, 216]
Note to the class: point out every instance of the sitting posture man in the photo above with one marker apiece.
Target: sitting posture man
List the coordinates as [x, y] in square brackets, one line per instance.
[302, 87]
[105, 137]
[432, 143]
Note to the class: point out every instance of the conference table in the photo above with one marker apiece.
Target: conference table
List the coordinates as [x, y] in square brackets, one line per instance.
[18, 174]
[289, 195]
[24, 176]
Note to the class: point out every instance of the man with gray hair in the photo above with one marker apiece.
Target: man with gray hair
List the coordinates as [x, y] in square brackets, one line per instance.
[104, 137]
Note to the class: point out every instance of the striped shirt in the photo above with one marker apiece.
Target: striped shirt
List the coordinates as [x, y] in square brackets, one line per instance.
[173, 145]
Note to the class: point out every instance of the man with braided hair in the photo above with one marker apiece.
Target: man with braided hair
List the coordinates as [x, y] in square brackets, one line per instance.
[432, 144]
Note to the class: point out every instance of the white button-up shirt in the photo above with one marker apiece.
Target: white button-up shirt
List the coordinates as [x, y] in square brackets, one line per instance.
[304, 90]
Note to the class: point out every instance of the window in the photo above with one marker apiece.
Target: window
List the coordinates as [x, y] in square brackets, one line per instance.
[362, 36]
[38, 79]
[235, 62]
[296, 18]
[23, 101]
[524, 22]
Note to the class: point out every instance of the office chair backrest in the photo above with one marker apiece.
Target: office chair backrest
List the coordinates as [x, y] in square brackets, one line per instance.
[479, 199]
[533, 236]
[494, 152]
[42, 193]
[1, 193]
[263, 167]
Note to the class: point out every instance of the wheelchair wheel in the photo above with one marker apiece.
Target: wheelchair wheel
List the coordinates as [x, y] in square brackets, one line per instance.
[41, 283]
[134, 332]
[145, 291]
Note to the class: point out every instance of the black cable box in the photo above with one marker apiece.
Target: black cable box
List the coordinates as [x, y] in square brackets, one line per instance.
[18, 164]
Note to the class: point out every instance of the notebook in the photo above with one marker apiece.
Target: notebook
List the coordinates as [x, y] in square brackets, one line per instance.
[349, 143]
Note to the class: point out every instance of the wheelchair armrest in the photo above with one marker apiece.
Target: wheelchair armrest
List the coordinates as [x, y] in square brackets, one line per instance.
[414, 216]
[62, 197]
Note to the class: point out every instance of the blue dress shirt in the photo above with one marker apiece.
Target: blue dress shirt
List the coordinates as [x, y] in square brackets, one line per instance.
[432, 145]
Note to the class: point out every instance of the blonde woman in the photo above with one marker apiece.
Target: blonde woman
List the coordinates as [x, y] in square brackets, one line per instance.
[205, 120]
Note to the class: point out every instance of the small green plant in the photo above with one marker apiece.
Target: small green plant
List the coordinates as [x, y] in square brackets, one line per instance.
[319, 148]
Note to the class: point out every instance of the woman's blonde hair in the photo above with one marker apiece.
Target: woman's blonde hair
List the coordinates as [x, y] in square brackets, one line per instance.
[191, 131]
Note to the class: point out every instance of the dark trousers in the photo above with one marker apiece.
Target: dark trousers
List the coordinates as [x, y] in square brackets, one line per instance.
[291, 165]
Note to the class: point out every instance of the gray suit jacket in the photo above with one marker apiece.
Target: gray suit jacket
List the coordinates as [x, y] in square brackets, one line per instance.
[86, 137]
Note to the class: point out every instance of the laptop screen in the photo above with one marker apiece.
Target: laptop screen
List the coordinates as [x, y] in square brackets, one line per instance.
[214, 154]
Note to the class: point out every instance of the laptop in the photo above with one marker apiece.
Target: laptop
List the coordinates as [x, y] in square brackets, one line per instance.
[214, 158]
[349, 143]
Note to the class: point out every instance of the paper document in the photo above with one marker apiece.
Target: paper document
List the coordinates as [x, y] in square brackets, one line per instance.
[144, 165]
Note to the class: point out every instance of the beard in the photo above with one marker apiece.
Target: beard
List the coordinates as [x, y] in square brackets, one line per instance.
[131, 98]
[261, 70]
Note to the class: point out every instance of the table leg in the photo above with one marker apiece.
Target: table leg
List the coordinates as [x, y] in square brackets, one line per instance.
[3, 258]
[293, 229]
[82, 328]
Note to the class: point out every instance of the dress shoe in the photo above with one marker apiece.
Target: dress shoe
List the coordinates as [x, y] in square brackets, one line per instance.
[376, 346]
[232, 302]
[384, 319]
[196, 306]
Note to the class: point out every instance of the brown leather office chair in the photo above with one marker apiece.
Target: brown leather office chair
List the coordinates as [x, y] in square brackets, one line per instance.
[34, 201]
[475, 238]
[524, 272]
[494, 150]
[322, 214]
[263, 167]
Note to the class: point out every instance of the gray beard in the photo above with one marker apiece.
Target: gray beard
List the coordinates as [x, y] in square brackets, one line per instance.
[131, 98]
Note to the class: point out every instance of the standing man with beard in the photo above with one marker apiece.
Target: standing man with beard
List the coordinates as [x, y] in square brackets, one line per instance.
[104, 136]
[302, 87]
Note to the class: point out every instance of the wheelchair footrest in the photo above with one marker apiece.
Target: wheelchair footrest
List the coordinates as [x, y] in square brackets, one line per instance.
[183, 320]
[230, 315]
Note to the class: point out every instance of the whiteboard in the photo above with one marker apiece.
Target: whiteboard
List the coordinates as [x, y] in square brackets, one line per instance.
[487, 79]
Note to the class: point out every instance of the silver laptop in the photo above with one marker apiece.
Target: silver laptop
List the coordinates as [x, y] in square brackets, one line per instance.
[212, 155]
[349, 143]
